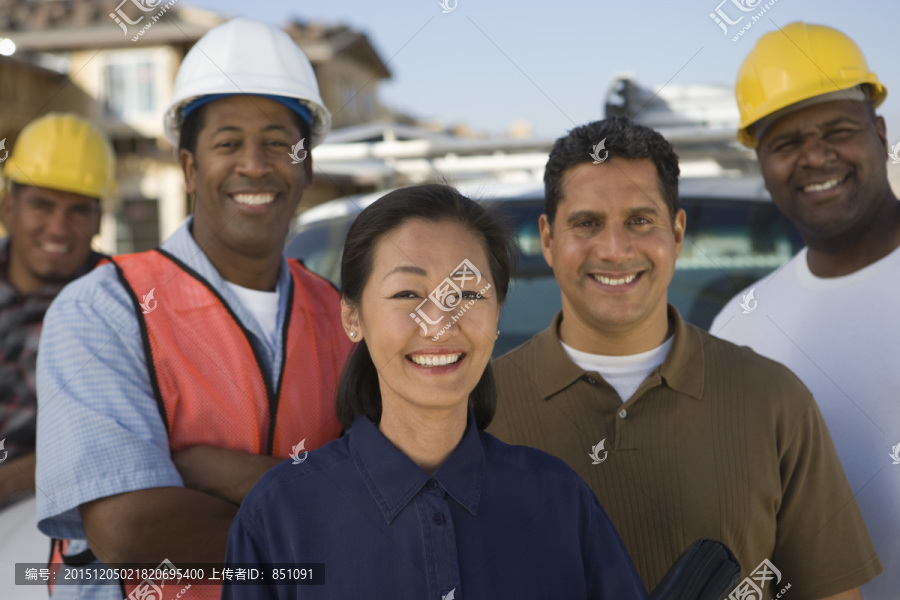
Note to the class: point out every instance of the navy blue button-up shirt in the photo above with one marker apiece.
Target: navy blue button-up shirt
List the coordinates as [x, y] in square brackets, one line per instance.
[493, 522]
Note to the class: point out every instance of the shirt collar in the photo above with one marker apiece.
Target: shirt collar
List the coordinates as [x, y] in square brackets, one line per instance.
[684, 367]
[682, 370]
[182, 245]
[49, 292]
[394, 479]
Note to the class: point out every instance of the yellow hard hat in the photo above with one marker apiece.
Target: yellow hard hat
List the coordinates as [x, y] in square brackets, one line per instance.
[795, 63]
[62, 151]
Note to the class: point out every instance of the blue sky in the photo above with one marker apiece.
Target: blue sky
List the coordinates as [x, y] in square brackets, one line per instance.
[490, 62]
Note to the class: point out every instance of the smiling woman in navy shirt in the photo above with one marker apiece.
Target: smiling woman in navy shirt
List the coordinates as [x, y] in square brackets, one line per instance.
[416, 501]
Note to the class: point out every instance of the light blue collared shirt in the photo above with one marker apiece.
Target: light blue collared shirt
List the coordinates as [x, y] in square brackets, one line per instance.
[99, 430]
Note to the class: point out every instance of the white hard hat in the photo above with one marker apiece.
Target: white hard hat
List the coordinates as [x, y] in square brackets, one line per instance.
[244, 56]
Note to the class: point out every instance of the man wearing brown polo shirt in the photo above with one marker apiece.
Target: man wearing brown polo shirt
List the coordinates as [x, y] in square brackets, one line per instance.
[681, 435]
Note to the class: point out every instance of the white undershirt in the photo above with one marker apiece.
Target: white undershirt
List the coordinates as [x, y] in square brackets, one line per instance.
[263, 306]
[624, 373]
[841, 337]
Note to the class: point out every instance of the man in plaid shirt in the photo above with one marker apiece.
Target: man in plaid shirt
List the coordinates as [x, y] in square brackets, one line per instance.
[54, 178]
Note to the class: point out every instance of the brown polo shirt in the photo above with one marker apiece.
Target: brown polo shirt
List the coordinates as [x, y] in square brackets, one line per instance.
[716, 442]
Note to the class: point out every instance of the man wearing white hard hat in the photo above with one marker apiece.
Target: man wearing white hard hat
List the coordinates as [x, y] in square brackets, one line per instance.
[807, 99]
[172, 379]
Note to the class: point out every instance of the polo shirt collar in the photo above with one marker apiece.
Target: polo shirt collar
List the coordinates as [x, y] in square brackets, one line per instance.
[684, 367]
[682, 370]
[557, 370]
[394, 479]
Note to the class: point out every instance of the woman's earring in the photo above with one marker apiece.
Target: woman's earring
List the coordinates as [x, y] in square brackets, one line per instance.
[498, 333]
[352, 334]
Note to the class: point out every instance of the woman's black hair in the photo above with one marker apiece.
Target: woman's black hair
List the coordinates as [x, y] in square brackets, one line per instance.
[358, 390]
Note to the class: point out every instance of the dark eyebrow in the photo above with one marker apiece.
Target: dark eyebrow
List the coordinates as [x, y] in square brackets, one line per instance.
[782, 136]
[230, 128]
[225, 128]
[825, 125]
[412, 269]
[275, 127]
[647, 209]
[584, 214]
[460, 272]
[837, 120]
[41, 203]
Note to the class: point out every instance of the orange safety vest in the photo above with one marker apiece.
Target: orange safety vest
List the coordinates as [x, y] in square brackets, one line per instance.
[210, 383]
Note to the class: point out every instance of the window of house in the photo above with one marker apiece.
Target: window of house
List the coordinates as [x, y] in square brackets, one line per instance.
[130, 88]
[137, 225]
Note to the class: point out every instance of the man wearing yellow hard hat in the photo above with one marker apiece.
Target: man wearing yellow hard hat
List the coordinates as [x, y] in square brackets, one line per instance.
[54, 179]
[807, 99]
[180, 375]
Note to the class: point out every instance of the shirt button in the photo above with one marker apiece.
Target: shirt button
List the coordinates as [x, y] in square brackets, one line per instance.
[437, 518]
[431, 484]
[591, 380]
[623, 413]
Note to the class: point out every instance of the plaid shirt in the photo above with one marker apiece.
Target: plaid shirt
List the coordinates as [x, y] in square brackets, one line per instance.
[21, 318]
